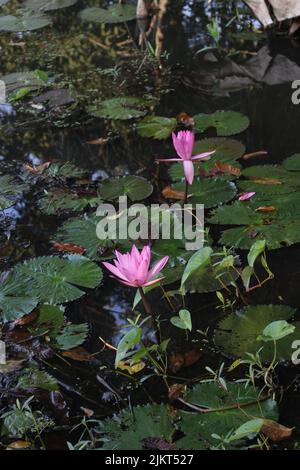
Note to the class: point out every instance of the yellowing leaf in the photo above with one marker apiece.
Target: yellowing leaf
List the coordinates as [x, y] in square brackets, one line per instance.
[132, 369]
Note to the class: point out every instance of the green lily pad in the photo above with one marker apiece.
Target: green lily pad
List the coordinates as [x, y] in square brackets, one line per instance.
[269, 179]
[123, 108]
[256, 226]
[72, 336]
[48, 5]
[16, 300]
[225, 122]
[135, 187]
[127, 431]
[64, 171]
[209, 191]
[224, 416]
[114, 14]
[292, 163]
[54, 280]
[157, 127]
[27, 22]
[241, 333]
[58, 200]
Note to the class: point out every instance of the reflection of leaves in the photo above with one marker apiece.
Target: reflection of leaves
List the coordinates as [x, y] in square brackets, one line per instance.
[241, 333]
[226, 122]
[113, 14]
[35, 378]
[56, 201]
[10, 189]
[157, 127]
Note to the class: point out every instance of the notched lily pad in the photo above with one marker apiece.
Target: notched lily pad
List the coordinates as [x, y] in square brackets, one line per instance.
[135, 187]
[157, 127]
[225, 122]
[114, 14]
[240, 333]
[48, 5]
[27, 22]
[123, 108]
[208, 191]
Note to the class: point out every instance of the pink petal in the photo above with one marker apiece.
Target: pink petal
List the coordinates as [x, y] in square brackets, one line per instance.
[246, 196]
[151, 283]
[190, 141]
[168, 160]
[189, 171]
[203, 155]
[115, 271]
[158, 267]
[178, 144]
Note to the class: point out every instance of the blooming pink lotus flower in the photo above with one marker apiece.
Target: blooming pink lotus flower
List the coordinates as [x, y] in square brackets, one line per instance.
[184, 144]
[133, 268]
[246, 196]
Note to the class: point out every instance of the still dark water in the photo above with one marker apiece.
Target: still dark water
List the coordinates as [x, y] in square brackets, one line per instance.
[256, 82]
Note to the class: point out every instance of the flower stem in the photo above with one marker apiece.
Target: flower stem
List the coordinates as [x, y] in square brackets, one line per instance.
[186, 190]
[146, 303]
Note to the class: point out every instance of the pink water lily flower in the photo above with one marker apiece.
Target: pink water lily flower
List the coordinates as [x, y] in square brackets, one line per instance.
[184, 144]
[246, 196]
[133, 268]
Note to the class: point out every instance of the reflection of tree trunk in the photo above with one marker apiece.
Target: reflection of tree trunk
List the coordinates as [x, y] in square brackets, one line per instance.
[143, 7]
[159, 37]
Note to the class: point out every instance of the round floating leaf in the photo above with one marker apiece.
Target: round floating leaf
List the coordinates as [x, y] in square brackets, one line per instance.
[226, 122]
[16, 299]
[114, 14]
[135, 187]
[53, 280]
[10, 190]
[72, 336]
[56, 201]
[128, 430]
[228, 409]
[292, 163]
[27, 22]
[82, 232]
[48, 5]
[269, 179]
[208, 191]
[123, 108]
[157, 127]
[241, 333]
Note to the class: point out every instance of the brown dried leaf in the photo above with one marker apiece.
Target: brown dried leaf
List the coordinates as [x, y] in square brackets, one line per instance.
[17, 445]
[275, 431]
[176, 391]
[266, 209]
[170, 193]
[69, 247]
[100, 141]
[27, 318]
[185, 119]
[78, 354]
[267, 181]
[179, 360]
[37, 170]
[227, 169]
[87, 412]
